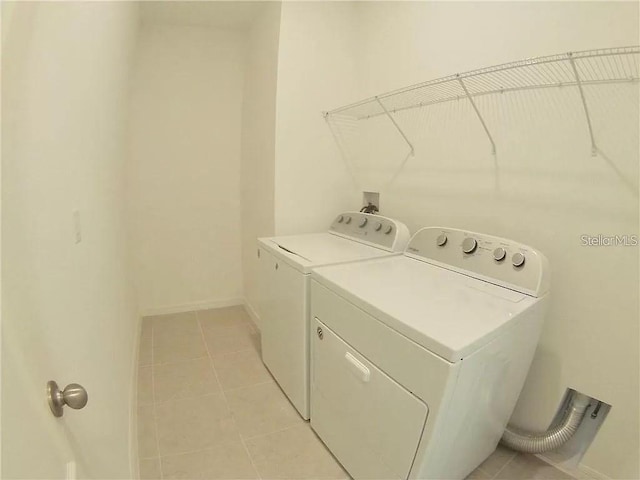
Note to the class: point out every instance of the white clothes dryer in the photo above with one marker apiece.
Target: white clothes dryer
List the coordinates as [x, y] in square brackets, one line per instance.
[285, 268]
[418, 360]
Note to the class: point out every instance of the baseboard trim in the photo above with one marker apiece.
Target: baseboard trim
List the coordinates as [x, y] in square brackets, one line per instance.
[252, 313]
[191, 307]
[591, 473]
[133, 413]
[581, 472]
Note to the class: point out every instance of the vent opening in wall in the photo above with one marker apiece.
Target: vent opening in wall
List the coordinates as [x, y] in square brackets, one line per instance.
[570, 454]
[370, 202]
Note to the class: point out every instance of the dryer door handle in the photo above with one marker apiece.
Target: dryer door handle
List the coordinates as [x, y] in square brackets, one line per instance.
[357, 367]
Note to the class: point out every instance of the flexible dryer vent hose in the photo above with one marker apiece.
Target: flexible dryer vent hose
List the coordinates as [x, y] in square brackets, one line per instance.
[538, 442]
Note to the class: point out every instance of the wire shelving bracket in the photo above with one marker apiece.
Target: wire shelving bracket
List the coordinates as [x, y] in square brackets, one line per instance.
[395, 124]
[573, 69]
[594, 148]
[475, 108]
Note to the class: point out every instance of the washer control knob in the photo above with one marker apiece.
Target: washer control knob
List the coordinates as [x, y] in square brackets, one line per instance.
[347, 220]
[469, 245]
[378, 226]
[518, 259]
[441, 240]
[340, 219]
[499, 254]
[388, 230]
[363, 222]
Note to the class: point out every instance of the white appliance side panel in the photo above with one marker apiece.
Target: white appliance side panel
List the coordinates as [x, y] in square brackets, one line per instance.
[285, 338]
[370, 422]
[475, 416]
[262, 282]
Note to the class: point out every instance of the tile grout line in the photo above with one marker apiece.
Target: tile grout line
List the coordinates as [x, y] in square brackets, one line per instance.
[172, 362]
[234, 352]
[162, 364]
[290, 427]
[151, 458]
[260, 384]
[505, 465]
[224, 395]
[485, 472]
[488, 474]
[204, 395]
[246, 449]
[199, 450]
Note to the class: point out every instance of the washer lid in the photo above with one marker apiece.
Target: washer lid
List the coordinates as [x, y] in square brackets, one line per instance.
[448, 313]
[306, 251]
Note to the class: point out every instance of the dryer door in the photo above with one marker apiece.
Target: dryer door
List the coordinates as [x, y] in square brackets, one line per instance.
[369, 422]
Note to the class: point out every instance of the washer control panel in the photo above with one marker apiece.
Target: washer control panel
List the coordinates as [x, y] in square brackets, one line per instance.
[374, 230]
[494, 259]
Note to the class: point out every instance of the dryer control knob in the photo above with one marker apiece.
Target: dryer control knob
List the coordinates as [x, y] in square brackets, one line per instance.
[378, 226]
[518, 259]
[340, 219]
[388, 230]
[499, 254]
[469, 245]
[363, 222]
[441, 240]
[347, 220]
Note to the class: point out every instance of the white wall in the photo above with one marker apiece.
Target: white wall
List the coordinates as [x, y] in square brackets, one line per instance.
[258, 141]
[67, 308]
[185, 167]
[549, 189]
[316, 70]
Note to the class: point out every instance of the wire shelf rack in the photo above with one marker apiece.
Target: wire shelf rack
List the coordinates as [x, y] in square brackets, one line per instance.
[573, 69]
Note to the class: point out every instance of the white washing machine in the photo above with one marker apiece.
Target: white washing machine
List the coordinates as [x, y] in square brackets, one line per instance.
[283, 306]
[418, 360]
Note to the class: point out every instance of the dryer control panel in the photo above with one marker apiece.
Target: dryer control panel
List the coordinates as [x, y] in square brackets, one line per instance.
[497, 260]
[381, 232]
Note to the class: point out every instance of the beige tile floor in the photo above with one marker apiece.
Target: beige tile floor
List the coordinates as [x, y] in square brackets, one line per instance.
[209, 409]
